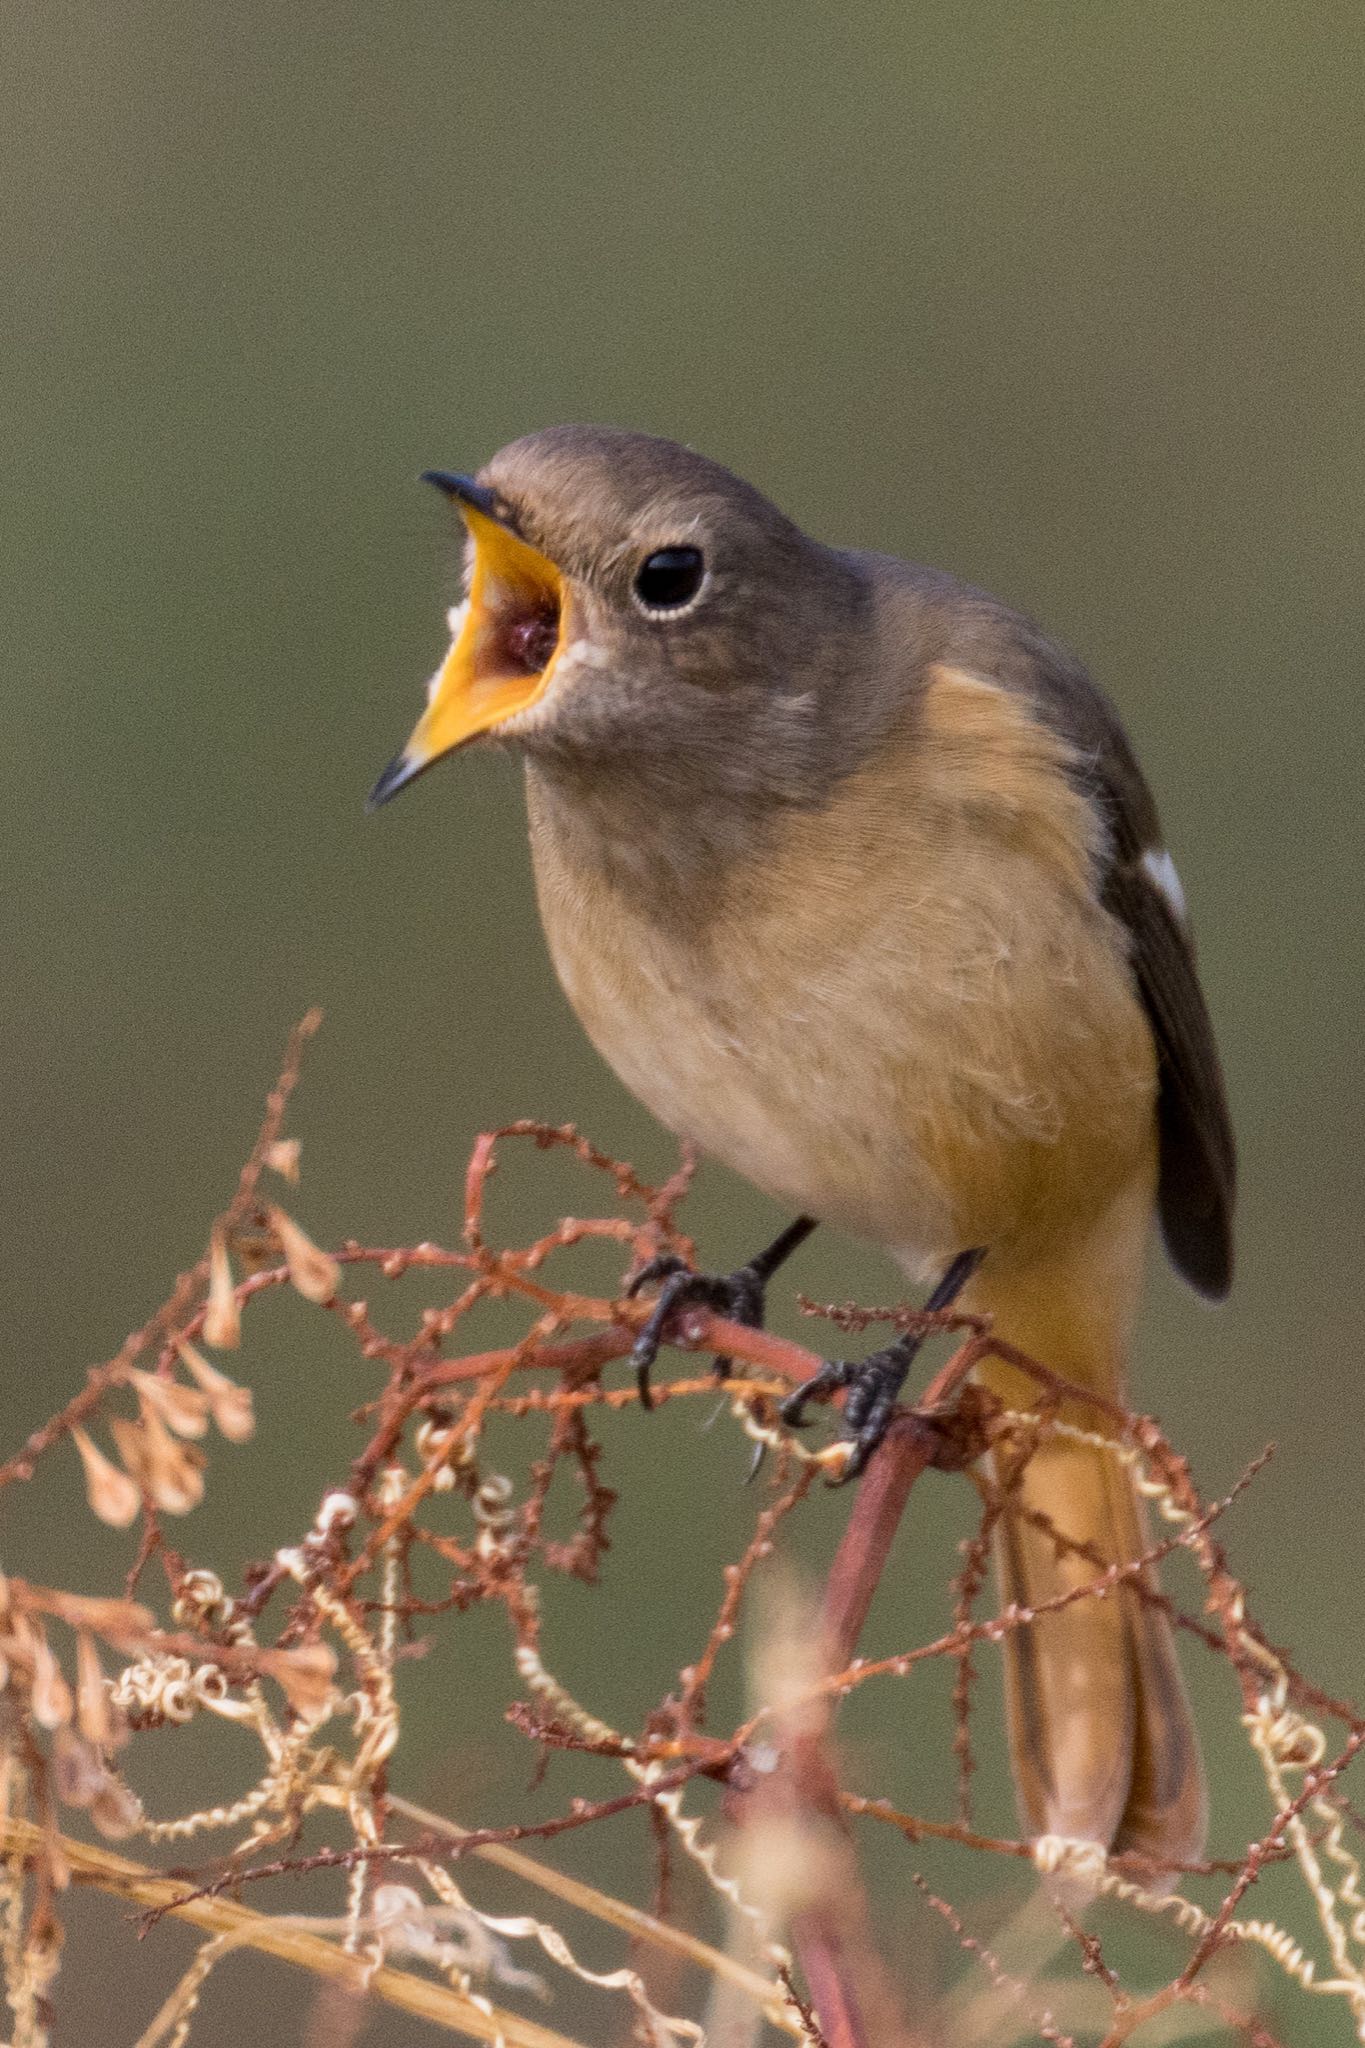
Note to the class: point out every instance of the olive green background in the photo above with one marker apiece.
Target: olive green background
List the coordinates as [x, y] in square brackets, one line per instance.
[1067, 298]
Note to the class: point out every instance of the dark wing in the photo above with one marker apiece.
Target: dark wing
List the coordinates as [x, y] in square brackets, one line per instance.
[1198, 1170]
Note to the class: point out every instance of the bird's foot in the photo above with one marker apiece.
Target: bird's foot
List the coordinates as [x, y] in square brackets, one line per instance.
[873, 1385]
[874, 1382]
[738, 1296]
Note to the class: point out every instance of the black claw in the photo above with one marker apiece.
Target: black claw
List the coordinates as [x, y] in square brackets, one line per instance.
[874, 1382]
[642, 1368]
[834, 1375]
[873, 1385]
[737, 1296]
[871, 1406]
[662, 1266]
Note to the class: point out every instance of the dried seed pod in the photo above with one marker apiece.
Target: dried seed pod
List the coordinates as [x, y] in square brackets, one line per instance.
[118, 1621]
[314, 1272]
[130, 1439]
[222, 1317]
[53, 1704]
[116, 1810]
[177, 1470]
[112, 1495]
[78, 1773]
[172, 1472]
[230, 1405]
[184, 1409]
[283, 1158]
[94, 1711]
[17, 1649]
[304, 1674]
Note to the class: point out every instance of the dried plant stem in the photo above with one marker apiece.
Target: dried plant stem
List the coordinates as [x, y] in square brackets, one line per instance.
[640, 1926]
[329, 1621]
[189, 1285]
[850, 1989]
[239, 1927]
[907, 1452]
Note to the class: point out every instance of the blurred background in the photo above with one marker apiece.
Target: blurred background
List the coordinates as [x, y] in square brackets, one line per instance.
[1065, 298]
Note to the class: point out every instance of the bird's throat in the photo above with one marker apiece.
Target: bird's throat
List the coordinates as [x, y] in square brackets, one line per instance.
[648, 838]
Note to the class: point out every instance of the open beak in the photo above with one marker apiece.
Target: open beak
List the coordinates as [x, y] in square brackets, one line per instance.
[505, 647]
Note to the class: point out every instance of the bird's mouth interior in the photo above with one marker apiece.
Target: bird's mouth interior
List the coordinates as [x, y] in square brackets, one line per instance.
[518, 629]
[508, 637]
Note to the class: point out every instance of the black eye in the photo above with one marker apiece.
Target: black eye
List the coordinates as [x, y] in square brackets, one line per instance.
[668, 578]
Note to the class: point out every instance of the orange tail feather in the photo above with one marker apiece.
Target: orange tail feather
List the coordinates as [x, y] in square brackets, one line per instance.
[1102, 1742]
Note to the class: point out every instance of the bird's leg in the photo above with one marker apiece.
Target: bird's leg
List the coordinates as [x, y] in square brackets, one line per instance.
[875, 1382]
[739, 1296]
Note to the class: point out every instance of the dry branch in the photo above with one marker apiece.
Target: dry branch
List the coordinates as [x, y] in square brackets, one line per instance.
[307, 1654]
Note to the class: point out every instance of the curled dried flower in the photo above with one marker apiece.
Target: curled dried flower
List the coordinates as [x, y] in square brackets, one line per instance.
[112, 1494]
[222, 1317]
[52, 1701]
[304, 1674]
[230, 1405]
[200, 1597]
[392, 1904]
[445, 1451]
[283, 1158]
[172, 1472]
[156, 1689]
[184, 1409]
[338, 1511]
[492, 1504]
[314, 1272]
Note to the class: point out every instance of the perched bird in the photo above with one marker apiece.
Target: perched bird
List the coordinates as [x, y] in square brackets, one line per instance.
[850, 873]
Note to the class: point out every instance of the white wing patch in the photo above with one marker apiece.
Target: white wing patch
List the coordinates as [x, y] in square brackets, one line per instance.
[1159, 869]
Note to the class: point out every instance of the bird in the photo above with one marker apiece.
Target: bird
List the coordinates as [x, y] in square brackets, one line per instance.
[849, 871]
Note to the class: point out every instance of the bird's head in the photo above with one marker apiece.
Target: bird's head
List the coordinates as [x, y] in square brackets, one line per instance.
[626, 597]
